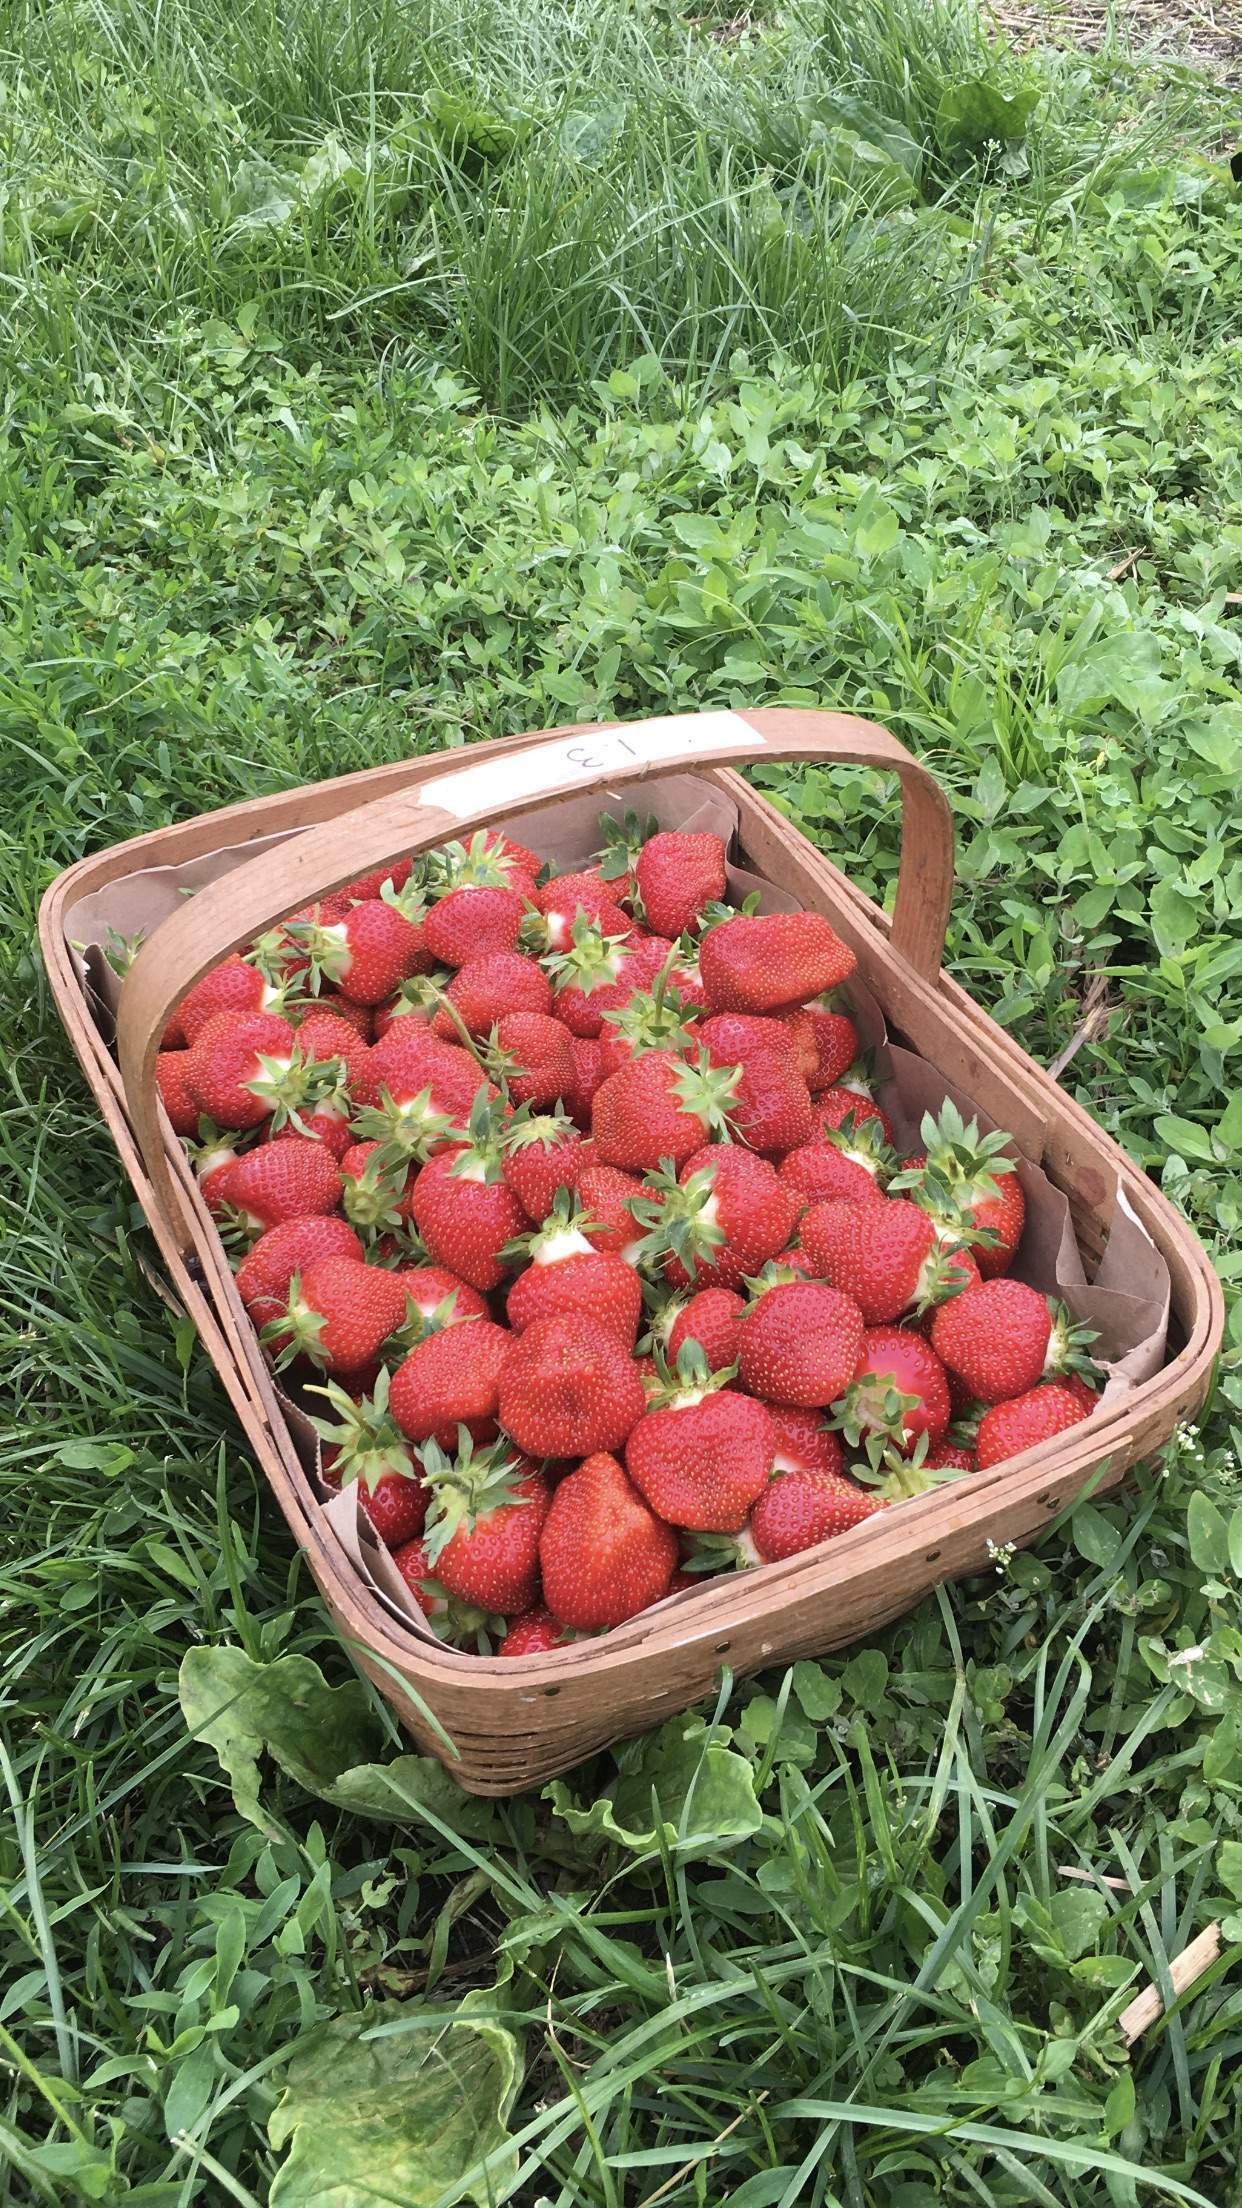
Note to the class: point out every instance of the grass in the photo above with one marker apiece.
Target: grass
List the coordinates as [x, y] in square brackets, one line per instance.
[339, 422]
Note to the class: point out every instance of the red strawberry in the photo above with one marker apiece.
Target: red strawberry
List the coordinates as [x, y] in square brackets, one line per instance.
[1024, 1421]
[803, 1442]
[542, 1153]
[339, 1313]
[678, 876]
[491, 860]
[651, 1019]
[799, 1344]
[437, 1299]
[449, 1379]
[324, 1034]
[464, 1208]
[709, 1320]
[412, 1563]
[363, 1444]
[213, 1161]
[469, 923]
[396, 874]
[817, 1170]
[603, 1554]
[369, 952]
[559, 903]
[721, 1220]
[235, 985]
[861, 1124]
[898, 1392]
[799, 1509]
[533, 1634]
[483, 1525]
[595, 1285]
[1001, 1338]
[284, 1180]
[417, 1000]
[534, 1056]
[588, 1057]
[569, 1388]
[886, 1256]
[181, 1106]
[827, 1044]
[328, 1127]
[966, 1179]
[658, 1108]
[762, 962]
[1074, 1384]
[246, 1068]
[485, 989]
[264, 1275]
[606, 1197]
[427, 1091]
[950, 1456]
[704, 1453]
[772, 1109]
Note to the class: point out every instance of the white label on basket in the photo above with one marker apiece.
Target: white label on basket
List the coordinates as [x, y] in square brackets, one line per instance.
[547, 768]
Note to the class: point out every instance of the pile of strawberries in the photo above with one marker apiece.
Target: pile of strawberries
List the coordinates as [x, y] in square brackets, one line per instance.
[566, 1204]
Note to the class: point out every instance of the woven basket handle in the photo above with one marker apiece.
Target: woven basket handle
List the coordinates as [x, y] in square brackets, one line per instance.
[229, 912]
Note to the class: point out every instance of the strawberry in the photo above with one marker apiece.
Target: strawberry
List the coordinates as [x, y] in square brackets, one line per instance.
[339, 1313]
[1001, 1338]
[861, 1127]
[799, 1344]
[265, 1273]
[436, 1299]
[297, 1179]
[721, 1219]
[600, 1287]
[417, 1000]
[898, 1392]
[325, 1034]
[363, 1444]
[762, 962]
[376, 1194]
[451, 1378]
[213, 1159]
[826, 1041]
[569, 1388]
[483, 1524]
[703, 1453]
[465, 1210]
[1023, 1421]
[370, 951]
[963, 1175]
[657, 1107]
[533, 1634]
[803, 1442]
[771, 1106]
[588, 1057]
[652, 1019]
[950, 1456]
[469, 923]
[427, 1090]
[799, 1509]
[542, 1153]
[1074, 1384]
[181, 1106]
[491, 860]
[396, 874]
[606, 1196]
[533, 1056]
[560, 902]
[327, 1126]
[886, 1256]
[485, 988]
[710, 1321]
[603, 1553]
[235, 985]
[412, 1563]
[245, 1068]
[598, 973]
[677, 876]
[817, 1170]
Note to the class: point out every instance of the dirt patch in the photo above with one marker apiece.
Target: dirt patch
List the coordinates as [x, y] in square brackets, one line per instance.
[1204, 33]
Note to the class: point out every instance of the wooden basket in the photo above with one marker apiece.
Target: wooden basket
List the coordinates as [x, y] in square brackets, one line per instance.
[515, 1724]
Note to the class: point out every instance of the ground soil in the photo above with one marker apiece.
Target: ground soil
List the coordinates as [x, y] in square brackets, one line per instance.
[1204, 32]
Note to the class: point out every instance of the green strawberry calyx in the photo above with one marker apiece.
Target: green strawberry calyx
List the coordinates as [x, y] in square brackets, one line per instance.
[861, 1139]
[371, 1199]
[562, 1234]
[681, 1386]
[706, 1092]
[481, 1155]
[681, 1218]
[873, 1414]
[368, 1442]
[1069, 1346]
[407, 1131]
[961, 1158]
[466, 1488]
[593, 961]
[720, 1552]
[296, 1084]
[653, 1019]
[528, 1127]
[480, 864]
[896, 1477]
